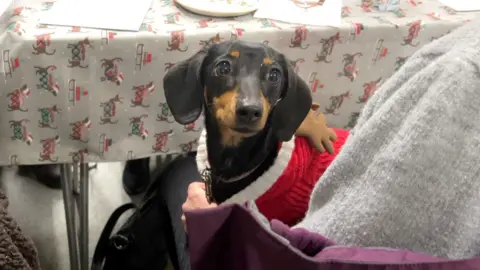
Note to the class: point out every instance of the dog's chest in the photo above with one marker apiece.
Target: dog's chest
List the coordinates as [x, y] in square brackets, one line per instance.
[290, 160]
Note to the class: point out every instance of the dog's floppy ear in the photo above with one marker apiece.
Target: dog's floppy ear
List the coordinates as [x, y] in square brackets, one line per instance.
[294, 106]
[184, 88]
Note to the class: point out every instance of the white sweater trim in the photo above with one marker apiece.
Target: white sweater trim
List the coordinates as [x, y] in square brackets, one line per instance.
[263, 183]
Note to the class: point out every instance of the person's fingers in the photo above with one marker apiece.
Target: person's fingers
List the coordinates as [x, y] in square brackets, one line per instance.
[184, 221]
[185, 206]
[328, 146]
[196, 197]
[319, 146]
[200, 185]
[196, 194]
[333, 135]
[195, 186]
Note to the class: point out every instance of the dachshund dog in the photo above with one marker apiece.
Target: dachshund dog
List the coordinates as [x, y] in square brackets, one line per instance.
[253, 102]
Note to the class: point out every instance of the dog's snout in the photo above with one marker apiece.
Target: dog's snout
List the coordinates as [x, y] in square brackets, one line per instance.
[249, 114]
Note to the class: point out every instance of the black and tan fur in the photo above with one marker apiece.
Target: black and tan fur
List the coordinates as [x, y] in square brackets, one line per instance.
[252, 100]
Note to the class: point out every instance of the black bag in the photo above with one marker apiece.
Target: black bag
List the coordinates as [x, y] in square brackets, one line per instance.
[140, 243]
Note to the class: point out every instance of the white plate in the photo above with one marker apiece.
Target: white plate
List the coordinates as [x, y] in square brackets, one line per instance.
[219, 8]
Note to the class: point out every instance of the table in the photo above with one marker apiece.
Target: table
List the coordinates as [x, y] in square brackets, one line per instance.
[75, 95]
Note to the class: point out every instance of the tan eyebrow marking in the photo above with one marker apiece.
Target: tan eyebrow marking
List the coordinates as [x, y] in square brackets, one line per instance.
[235, 53]
[267, 61]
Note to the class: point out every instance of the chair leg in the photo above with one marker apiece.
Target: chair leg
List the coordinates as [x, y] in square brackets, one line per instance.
[83, 213]
[68, 201]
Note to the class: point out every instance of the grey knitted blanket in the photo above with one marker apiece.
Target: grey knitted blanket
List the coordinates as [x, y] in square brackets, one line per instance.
[408, 177]
[17, 251]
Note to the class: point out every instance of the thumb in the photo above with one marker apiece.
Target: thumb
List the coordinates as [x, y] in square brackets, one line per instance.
[201, 185]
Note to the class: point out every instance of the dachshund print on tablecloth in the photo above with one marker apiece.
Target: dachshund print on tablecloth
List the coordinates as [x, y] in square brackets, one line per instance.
[236, 32]
[206, 23]
[177, 39]
[111, 72]
[22, 11]
[168, 66]
[267, 23]
[47, 80]
[300, 35]
[78, 53]
[110, 110]
[350, 68]
[189, 146]
[213, 40]
[41, 45]
[191, 127]
[369, 89]
[161, 141]
[49, 148]
[346, 11]
[17, 98]
[328, 44]
[336, 103]
[413, 31]
[20, 131]
[79, 130]
[165, 114]
[172, 18]
[138, 127]
[47, 117]
[141, 92]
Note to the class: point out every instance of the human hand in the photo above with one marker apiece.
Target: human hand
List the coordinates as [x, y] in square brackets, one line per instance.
[314, 128]
[196, 199]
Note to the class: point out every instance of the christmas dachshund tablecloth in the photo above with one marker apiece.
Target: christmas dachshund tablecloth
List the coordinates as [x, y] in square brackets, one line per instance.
[72, 94]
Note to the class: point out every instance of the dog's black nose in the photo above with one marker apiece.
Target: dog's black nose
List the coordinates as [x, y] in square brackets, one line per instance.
[249, 114]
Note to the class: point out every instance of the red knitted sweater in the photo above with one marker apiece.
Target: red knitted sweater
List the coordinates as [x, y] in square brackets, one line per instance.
[283, 192]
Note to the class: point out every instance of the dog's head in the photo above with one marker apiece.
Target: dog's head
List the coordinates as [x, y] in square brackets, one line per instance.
[244, 86]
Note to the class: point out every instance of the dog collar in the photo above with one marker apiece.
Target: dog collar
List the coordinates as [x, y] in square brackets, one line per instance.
[255, 189]
[206, 176]
[207, 179]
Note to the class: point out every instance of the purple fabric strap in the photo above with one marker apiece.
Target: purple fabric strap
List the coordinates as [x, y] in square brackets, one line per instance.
[230, 237]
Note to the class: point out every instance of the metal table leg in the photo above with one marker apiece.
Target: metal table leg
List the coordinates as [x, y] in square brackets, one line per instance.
[69, 203]
[83, 213]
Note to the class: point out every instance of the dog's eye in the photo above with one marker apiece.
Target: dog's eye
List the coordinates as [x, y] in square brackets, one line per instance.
[223, 68]
[274, 75]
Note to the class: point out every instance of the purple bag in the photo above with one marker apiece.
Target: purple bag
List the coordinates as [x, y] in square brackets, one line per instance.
[231, 237]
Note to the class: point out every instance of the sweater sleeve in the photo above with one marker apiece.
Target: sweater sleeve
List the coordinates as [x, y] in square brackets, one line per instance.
[408, 178]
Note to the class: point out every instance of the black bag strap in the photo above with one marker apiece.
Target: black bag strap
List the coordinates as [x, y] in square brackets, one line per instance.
[104, 239]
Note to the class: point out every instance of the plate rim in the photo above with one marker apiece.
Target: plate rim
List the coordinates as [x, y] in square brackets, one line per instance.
[209, 12]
